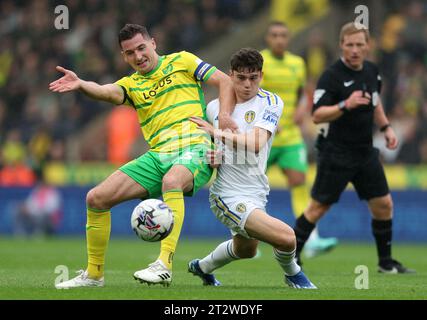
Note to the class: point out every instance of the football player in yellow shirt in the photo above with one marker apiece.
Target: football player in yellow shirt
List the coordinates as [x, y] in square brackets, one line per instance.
[284, 74]
[165, 91]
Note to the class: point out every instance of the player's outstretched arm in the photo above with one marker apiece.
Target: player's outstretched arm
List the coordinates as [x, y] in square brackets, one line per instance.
[253, 140]
[71, 82]
[227, 99]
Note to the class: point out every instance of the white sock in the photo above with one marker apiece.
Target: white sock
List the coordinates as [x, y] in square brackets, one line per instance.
[222, 255]
[314, 235]
[287, 261]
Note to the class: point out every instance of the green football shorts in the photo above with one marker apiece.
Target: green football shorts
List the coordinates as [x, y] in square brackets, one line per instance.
[289, 157]
[148, 170]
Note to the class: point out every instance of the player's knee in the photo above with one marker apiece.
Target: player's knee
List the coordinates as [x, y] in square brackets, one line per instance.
[389, 205]
[171, 182]
[385, 208]
[285, 241]
[296, 180]
[95, 200]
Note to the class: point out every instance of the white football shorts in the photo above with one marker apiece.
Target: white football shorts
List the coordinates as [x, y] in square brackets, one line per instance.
[234, 211]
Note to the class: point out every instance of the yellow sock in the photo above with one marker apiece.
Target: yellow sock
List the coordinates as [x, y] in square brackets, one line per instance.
[300, 197]
[175, 200]
[98, 229]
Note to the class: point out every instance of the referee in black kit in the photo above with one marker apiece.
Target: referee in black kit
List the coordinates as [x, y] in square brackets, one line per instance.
[347, 104]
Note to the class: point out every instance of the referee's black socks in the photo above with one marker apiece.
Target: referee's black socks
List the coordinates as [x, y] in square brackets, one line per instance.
[382, 230]
[303, 229]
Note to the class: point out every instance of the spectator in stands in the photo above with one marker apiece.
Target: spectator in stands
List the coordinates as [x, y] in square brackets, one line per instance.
[123, 130]
[413, 34]
[15, 172]
[26, 59]
[40, 213]
[3, 115]
[317, 55]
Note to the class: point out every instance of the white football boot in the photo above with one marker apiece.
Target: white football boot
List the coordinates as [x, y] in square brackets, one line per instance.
[156, 273]
[82, 280]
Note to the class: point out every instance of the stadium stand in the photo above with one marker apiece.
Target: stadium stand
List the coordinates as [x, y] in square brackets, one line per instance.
[37, 126]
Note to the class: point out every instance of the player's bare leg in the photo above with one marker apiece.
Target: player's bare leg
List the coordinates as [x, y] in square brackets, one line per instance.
[281, 237]
[118, 187]
[259, 226]
[243, 247]
[178, 180]
[382, 213]
[236, 248]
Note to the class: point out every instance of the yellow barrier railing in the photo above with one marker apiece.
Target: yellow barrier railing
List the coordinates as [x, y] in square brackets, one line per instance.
[399, 177]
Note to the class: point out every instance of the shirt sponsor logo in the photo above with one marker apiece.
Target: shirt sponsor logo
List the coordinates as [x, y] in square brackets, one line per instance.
[348, 83]
[153, 92]
[270, 116]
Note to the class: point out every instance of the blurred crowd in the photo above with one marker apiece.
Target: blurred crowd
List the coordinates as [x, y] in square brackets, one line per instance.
[402, 57]
[36, 124]
[399, 47]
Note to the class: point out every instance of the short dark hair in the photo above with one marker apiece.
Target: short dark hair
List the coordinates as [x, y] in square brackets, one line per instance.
[246, 58]
[130, 30]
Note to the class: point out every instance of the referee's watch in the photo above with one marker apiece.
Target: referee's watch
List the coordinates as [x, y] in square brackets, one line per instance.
[342, 107]
[385, 127]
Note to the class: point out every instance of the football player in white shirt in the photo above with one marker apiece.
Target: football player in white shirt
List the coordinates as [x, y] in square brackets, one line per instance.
[239, 194]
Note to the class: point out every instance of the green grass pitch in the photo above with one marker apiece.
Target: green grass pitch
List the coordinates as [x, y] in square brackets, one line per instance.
[27, 271]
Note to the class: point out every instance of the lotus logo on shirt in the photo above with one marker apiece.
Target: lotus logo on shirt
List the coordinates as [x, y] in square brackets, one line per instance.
[250, 116]
[153, 92]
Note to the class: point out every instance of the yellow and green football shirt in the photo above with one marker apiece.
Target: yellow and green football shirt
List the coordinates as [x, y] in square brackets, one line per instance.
[166, 98]
[284, 77]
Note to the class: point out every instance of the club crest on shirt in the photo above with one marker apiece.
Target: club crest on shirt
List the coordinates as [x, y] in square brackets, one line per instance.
[168, 69]
[241, 208]
[249, 116]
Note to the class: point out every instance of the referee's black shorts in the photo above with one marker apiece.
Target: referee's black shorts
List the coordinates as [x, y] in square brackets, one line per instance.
[337, 167]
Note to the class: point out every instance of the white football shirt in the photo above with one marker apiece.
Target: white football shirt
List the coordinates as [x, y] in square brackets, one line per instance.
[242, 172]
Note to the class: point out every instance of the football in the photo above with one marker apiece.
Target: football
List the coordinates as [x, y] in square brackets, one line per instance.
[152, 220]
